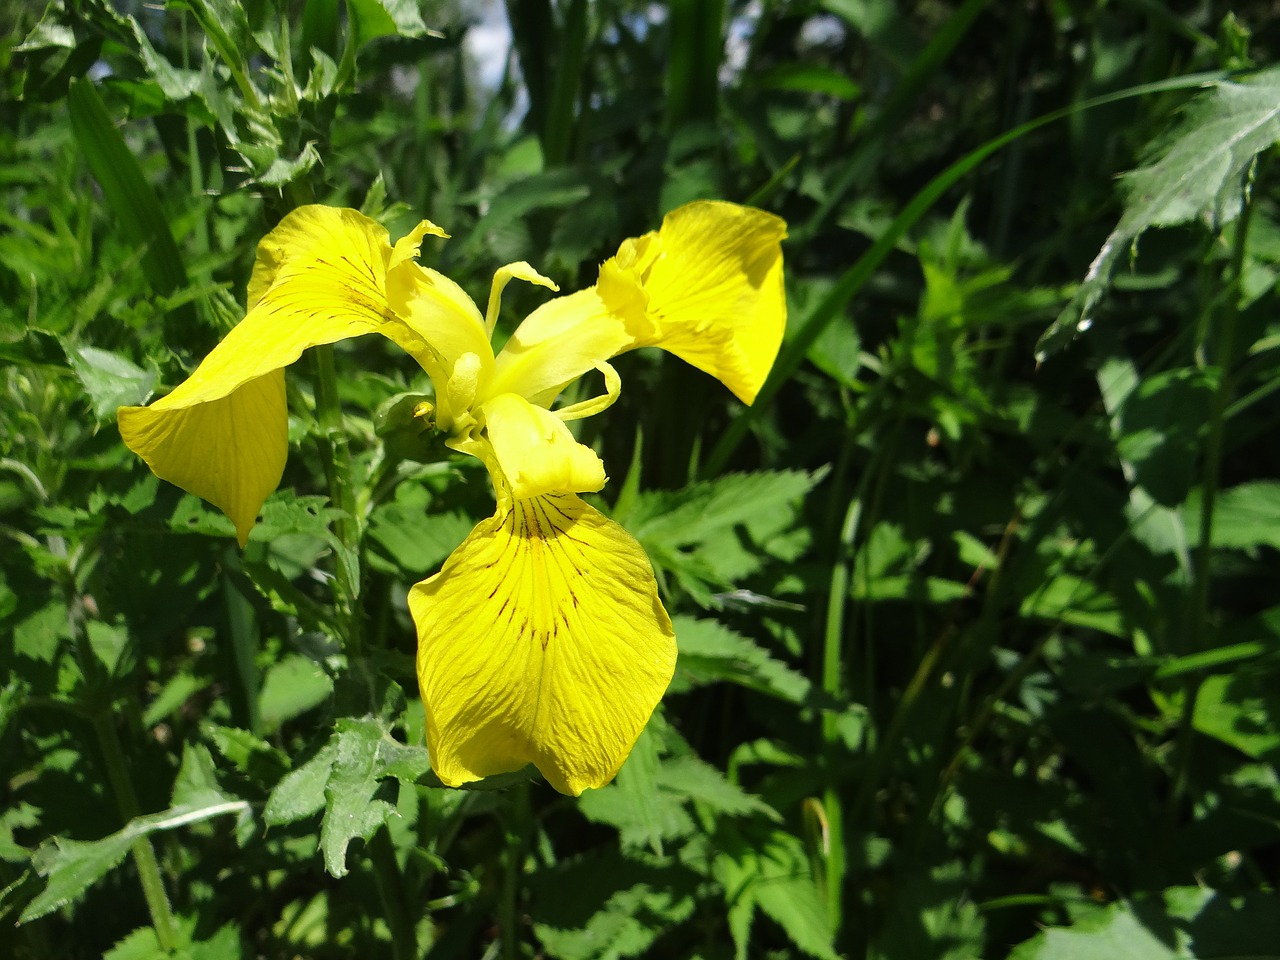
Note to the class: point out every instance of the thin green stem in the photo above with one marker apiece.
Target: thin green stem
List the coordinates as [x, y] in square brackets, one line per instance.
[101, 716]
[517, 839]
[337, 466]
[386, 874]
[1199, 628]
[832, 684]
[144, 855]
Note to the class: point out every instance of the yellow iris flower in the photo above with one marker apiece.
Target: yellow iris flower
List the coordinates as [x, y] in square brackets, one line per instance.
[542, 639]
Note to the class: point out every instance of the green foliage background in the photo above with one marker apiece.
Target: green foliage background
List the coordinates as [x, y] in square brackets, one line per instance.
[977, 606]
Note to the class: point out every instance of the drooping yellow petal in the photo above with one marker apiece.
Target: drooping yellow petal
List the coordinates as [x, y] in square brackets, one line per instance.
[710, 282]
[536, 452]
[230, 451]
[542, 640]
[221, 434]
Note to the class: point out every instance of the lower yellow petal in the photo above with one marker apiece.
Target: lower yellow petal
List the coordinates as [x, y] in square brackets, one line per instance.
[711, 283]
[230, 451]
[541, 641]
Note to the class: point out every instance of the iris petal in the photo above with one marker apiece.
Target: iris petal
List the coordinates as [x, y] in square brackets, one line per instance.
[543, 641]
[535, 451]
[221, 434]
[710, 281]
[558, 343]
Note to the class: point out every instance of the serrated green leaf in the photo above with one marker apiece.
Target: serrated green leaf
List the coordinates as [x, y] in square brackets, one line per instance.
[698, 780]
[251, 755]
[643, 815]
[769, 870]
[710, 651]
[196, 784]
[364, 755]
[1193, 923]
[1199, 176]
[697, 533]
[603, 906]
[110, 380]
[301, 792]
[72, 866]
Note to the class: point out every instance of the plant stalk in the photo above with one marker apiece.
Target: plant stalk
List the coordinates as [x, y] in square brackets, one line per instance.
[1198, 613]
[337, 467]
[144, 855]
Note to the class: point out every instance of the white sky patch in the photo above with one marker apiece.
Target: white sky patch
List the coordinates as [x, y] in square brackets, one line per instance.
[738, 42]
[488, 42]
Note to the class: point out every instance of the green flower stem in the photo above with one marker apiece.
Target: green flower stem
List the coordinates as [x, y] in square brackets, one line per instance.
[144, 856]
[337, 467]
[103, 720]
[386, 874]
[519, 827]
[832, 673]
[1228, 302]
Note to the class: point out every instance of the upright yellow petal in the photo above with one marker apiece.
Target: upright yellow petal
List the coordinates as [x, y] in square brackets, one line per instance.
[710, 285]
[441, 313]
[221, 434]
[558, 343]
[543, 641]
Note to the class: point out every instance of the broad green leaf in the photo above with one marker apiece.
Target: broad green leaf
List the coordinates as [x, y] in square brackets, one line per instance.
[110, 380]
[251, 755]
[1199, 176]
[710, 651]
[1193, 923]
[177, 690]
[39, 635]
[1244, 516]
[291, 687]
[1066, 598]
[1241, 708]
[415, 540]
[301, 792]
[371, 19]
[810, 78]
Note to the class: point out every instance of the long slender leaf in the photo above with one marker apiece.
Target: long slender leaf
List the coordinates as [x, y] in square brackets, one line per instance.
[125, 187]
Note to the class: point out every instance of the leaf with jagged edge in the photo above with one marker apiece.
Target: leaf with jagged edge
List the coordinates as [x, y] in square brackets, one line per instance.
[365, 755]
[710, 651]
[71, 866]
[1200, 175]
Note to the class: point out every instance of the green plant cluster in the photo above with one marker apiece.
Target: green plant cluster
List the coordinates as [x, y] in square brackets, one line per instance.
[978, 606]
